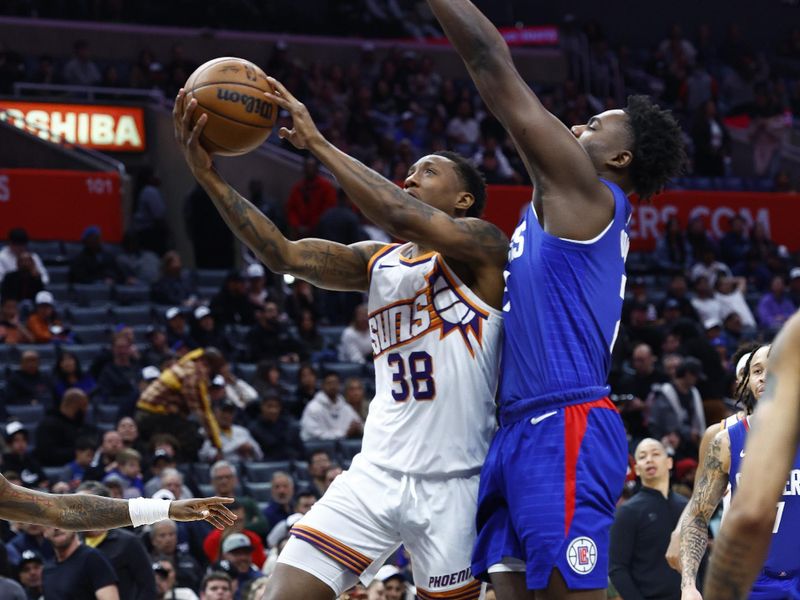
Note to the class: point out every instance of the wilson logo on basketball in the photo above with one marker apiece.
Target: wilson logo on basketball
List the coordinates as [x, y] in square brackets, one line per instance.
[439, 306]
[252, 104]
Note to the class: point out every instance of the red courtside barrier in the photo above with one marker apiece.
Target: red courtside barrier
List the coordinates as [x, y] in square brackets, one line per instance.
[780, 213]
[59, 205]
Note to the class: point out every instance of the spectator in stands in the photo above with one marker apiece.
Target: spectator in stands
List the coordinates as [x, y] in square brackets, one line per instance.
[161, 460]
[174, 287]
[636, 327]
[270, 339]
[225, 481]
[735, 244]
[205, 331]
[282, 492]
[213, 542]
[277, 434]
[760, 242]
[180, 391]
[300, 298]
[81, 69]
[794, 286]
[166, 584]
[237, 443]
[212, 239]
[775, 306]
[12, 330]
[85, 448]
[157, 351]
[29, 572]
[149, 219]
[355, 396]
[29, 538]
[119, 379]
[129, 433]
[642, 529]
[79, 571]
[237, 390]
[268, 380]
[63, 427]
[17, 245]
[257, 290]
[124, 551]
[328, 416]
[677, 290]
[705, 302]
[29, 385]
[105, 459]
[637, 386]
[237, 550]
[44, 324]
[137, 265]
[699, 239]
[677, 417]
[129, 470]
[672, 253]
[177, 331]
[312, 341]
[308, 200]
[307, 385]
[731, 294]
[709, 267]
[23, 283]
[394, 583]
[463, 130]
[216, 586]
[69, 374]
[93, 263]
[356, 343]
[18, 457]
[318, 464]
[164, 542]
[712, 141]
[232, 306]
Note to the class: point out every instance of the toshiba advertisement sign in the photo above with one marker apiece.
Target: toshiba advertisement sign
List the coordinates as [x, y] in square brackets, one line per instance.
[109, 128]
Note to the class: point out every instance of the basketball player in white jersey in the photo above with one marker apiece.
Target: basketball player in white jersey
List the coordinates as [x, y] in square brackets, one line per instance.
[436, 326]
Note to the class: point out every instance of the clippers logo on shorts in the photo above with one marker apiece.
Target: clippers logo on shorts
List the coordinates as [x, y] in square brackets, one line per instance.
[438, 306]
[582, 555]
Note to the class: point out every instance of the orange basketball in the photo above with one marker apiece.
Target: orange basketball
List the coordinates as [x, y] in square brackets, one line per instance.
[231, 92]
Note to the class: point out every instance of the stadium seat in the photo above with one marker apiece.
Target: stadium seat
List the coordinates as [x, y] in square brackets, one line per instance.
[207, 291]
[106, 413]
[262, 471]
[91, 294]
[46, 352]
[56, 474]
[328, 446]
[46, 248]
[92, 334]
[60, 291]
[59, 274]
[89, 316]
[132, 315]
[262, 506]
[289, 372]
[332, 334]
[246, 371]
[86, 353]
[344, 370]
[206, 489]
[26, 413]
[260, 491]
[201, 472]
[211, 278]
[349, 448]
[72, 248]
[132, 294]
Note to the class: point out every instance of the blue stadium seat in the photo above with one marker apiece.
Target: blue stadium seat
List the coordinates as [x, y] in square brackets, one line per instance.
[26, 413]
[211, 277]
[332, 334]
[206, 489]
[247, 371]
[289, 372]
[344, 370]
[56, 474]
[262, 471]
[91, 294]
[201, 472]
[349, 448]
[58, 274]
[86, 353]
[89, 316]
[60, 291]
[106, 413]
[46, 352]
[92, 334]
[132, 294]
[132, 315]
[328, 446]
[260, 491]
[207, 291]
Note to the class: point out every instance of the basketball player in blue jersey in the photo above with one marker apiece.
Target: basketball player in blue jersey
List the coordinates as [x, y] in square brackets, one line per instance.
[557, 465]
[769, 479]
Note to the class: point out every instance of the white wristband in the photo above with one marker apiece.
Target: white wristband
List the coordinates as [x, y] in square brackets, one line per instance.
[146, 511]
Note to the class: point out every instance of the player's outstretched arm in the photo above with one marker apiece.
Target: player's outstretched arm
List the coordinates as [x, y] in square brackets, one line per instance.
[708, 492]
[553, 156]
[81, 512]
[673, 554]
[744, 539]
[475, 241]
[325, 264]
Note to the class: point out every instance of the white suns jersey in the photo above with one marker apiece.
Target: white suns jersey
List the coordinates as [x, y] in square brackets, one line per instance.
[437, 351]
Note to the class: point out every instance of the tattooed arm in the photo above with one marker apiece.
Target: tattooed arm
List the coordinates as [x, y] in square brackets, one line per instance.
[81, 512]
[708, 492]
[476, 242]
[771, 447]
[325, 264]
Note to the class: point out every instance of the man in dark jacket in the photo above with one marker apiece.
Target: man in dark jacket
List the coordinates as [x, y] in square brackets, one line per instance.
[271, 339]
[125, 551]
[19, 459]
[642, 528]
[276, 433]
[62, 428]
[93, 263]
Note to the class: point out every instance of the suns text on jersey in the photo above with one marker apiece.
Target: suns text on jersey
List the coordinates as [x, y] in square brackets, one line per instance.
[400, 322]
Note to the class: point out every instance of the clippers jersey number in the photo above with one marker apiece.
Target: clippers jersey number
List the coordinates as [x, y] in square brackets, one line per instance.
[420, 375]
[515, 250]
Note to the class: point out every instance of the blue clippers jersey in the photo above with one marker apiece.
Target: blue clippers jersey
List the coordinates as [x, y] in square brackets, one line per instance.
[562, 305]
[784, 550]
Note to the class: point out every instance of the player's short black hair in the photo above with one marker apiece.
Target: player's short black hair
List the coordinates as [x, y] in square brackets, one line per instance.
[658, 150]
[471, 178]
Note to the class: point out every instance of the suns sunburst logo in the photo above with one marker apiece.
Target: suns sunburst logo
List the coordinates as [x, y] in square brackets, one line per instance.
[439, 306]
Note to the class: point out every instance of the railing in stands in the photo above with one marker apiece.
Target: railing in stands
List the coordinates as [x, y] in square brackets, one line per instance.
[88, 93]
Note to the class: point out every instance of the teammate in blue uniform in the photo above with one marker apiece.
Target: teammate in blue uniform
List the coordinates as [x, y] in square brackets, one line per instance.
[769, 480]
[557, 465]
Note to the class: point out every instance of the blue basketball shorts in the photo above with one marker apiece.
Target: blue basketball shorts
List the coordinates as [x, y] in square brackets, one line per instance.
[547, 494]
